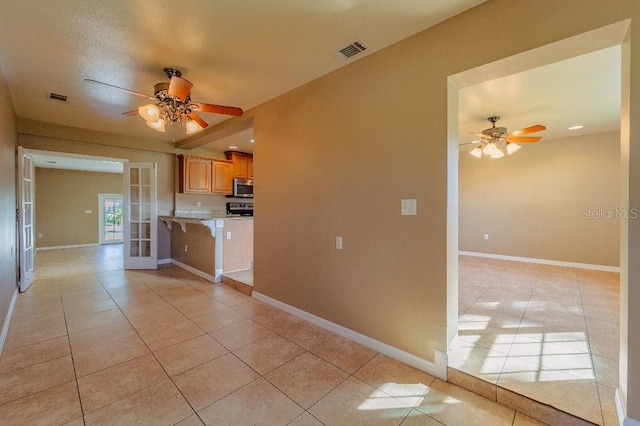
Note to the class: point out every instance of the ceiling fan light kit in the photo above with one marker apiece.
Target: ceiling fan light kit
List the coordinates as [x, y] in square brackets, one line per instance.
[496, 141]
[173, 104]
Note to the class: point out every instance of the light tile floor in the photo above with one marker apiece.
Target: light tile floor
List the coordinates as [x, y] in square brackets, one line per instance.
[546, 332]
[90, 343]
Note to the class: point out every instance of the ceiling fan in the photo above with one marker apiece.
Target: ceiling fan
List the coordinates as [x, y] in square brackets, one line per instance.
[173, 104]
[495, 141]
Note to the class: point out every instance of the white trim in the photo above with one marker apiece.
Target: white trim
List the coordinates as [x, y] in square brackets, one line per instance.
[604, 268]
[164, 261]
[66, 247]
[195, 271]
[622, 415]
[438, 369]
[7, 320]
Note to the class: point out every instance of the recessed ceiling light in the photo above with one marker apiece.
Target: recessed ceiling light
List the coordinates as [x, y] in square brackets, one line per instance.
[252, 141]
[576, 127]
[233, 147]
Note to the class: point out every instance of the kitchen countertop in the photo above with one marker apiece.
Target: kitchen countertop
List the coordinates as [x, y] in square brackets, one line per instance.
[207, 220]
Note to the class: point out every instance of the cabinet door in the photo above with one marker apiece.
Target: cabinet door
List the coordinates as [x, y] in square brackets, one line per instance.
[222, 177]
[195, 175]
[240, 163]
[250, 167]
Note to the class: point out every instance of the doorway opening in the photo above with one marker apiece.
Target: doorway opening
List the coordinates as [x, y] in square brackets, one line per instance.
[65, 208]
[501, 328]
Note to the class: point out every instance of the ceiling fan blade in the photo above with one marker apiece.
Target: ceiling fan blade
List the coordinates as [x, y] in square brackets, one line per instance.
[179, 87]
[530, 129]
[198, 120]
[132, 92]
[219, 109]
[481, 135]
[525, 139]
[133, 112]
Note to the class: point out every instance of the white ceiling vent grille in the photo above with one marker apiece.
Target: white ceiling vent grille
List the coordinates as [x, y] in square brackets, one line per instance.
[57, 97]
[350, 51]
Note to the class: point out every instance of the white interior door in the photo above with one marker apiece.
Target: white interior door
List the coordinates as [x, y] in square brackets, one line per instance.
[140, 212]
[26, 172]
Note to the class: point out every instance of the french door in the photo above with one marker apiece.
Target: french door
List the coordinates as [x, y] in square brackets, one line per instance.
[140, 212]
[111, 218]
[26, 172]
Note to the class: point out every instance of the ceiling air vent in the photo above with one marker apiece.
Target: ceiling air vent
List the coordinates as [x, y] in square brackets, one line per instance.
[56, 97]
[350, 51]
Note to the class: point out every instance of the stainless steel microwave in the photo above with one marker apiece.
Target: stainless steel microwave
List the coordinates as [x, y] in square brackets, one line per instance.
[243, 188]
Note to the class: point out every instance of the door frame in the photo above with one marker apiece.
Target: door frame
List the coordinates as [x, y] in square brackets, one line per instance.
[19, 187]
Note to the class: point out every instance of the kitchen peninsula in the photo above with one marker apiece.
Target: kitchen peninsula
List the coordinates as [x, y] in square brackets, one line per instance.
[211, 244]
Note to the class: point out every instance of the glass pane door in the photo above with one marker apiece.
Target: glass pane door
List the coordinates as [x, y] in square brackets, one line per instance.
[140, 225]
[111, 218]
[25, 194]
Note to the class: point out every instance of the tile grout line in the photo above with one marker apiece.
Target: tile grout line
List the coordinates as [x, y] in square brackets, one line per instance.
[75, 374]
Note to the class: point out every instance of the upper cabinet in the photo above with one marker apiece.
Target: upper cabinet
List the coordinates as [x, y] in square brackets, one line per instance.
[199, 175]
[242, 164]
[222, 177]
[195, 174]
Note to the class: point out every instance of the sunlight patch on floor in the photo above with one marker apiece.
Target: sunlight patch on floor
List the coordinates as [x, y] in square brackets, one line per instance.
[395, 395]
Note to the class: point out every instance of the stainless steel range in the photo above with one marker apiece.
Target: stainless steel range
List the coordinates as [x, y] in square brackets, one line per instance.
[240, 209]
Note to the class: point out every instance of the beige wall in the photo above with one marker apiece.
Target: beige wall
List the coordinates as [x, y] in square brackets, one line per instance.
[8, 243]
[62, 197]
[237, 251]
[554, 200]
[347, 147]
[200, 253]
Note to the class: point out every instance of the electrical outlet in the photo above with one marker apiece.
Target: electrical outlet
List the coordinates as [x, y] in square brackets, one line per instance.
[87, 211]
[228, 235]
[186, 248]
[409, 207]
[339, 243]
[486, 236]
[198, 204]
[40, 235]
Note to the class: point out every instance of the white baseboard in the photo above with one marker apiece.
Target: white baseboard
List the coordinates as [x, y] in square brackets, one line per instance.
[438, 369]
[7, 320]
[542, 261]
[164, 261]
[622, 414]
[66, 247]
[195, 271]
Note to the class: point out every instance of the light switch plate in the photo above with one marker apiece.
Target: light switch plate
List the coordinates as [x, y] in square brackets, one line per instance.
[409, 207]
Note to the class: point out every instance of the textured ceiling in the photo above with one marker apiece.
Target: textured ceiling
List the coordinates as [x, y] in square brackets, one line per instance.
[239, 53]
[245, 52]
[584, 90]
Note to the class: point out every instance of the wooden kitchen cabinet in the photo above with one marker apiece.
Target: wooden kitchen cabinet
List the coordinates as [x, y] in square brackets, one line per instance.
[194, 174]
[222, 177]
[242, 164]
